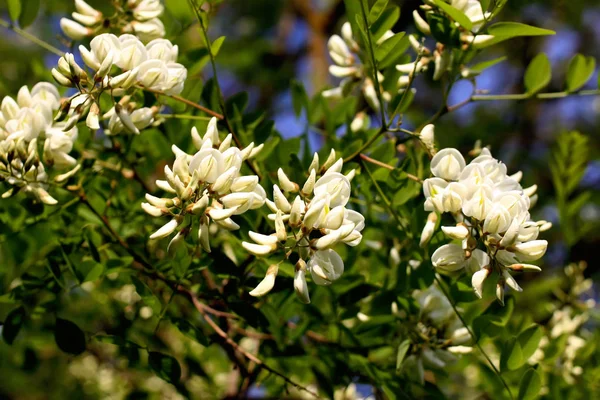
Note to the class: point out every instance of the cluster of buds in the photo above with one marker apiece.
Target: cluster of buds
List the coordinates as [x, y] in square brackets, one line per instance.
[25, 124]
[346, 55]
[139, 17]
[208, 186]
[121, 65]
[492, 214]
[310, 220]
[444, 336]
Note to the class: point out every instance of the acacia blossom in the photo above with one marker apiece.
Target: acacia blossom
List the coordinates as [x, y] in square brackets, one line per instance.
[139, 17]
[121, 65]
[208, 186]
[27, 125]
[310, 220]
[491, 209]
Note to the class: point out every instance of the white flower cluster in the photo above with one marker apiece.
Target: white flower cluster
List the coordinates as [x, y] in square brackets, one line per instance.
[24, 125]
[208, 186]
[492, 211]
[139, 17]
[120, 65]
[446, 335]
[470, 8]
[310, 220]
[346, 53]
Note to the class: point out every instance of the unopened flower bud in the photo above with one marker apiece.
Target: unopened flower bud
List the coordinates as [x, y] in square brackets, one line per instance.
[74, 30]
[267, 283]
[285, 182]
[428, 229]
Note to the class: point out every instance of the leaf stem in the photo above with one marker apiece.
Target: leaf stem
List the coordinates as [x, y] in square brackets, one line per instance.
[185, 101]
[194, 5]
[184, 116]
[31, 37]
[472, 334]
[373, 62]
[385, 199]
[387, 166]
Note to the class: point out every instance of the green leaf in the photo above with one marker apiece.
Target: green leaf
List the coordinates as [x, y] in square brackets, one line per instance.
[29, 13]
[93, 249]
[581, 69]
[376, 10]
[12, 324]
[515, 29]
[444, 30]
[146, 294]
[387, 46]
[480, 67]
[69, 337]
[396, 53]
[384, 23]
[216, 45]
[190, 330]
[500, 314]
[95, 272]
[530, 385]
[164, 366]
[299, 97]
[14, 9]
[529, 340]
[538, 74]
[455, 14]
[402, 101]
[512, 355]
[401, 355]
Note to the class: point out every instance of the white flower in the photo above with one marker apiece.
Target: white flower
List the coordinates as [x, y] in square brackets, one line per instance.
[325, 266]
[73, 29]
[428, 229]
[267, 283]
[336, 185]
[493, 214]
[449, 257]
[447, 164]
[162, 49]
[427, 136]
[477, 280]
[209, 189]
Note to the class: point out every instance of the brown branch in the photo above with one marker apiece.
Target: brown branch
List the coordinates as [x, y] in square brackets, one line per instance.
[185, 101]
[200, 307]
[387, 166]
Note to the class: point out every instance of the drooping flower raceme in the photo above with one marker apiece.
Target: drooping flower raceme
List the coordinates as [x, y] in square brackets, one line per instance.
[121, 65]
[27, 125]
[492, 214]
[208, 186]
[139, 17]
[310, 220]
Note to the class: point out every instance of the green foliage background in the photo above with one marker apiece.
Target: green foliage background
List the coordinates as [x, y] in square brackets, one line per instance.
[74, 326]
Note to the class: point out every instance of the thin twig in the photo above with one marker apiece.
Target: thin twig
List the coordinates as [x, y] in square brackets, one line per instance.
[387, 166]
[248, 355]
[183, 116]
[475, 340]
[385, 199]
[373, 63]
[196, 9]
[541, 96]
[185, 101]
[31, 37]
